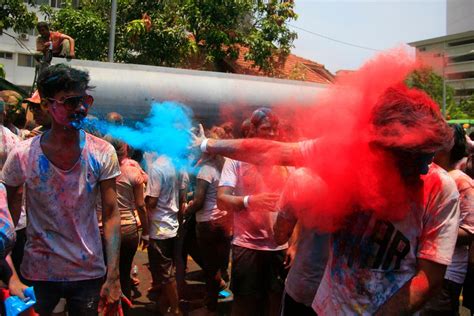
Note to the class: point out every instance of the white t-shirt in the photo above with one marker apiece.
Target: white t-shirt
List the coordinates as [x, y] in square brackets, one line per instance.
[163, 183]
[209, 212]
[253, 228]
[457, 270]
[63, 239]
[371, 259]
[8, 141]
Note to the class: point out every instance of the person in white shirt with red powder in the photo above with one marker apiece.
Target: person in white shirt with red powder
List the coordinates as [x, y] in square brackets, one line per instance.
[377, 266]
[63, 170]
[447, 300]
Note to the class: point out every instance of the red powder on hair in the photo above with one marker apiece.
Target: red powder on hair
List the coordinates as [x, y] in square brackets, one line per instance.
[359, 176]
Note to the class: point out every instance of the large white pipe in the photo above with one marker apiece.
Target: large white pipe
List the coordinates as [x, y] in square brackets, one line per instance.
[130, 89]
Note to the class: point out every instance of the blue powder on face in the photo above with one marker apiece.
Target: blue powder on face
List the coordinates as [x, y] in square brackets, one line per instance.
[164, 132]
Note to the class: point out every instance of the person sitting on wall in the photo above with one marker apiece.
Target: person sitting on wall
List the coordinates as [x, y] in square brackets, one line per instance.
[61, 45]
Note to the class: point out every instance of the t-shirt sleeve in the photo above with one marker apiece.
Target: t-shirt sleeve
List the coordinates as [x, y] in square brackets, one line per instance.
[206, 173]
[229, 174]
[466, 205]
[155, 180]
[110, 165]
[440, 231]
[135, 175]
[183, 180]
[13, 172]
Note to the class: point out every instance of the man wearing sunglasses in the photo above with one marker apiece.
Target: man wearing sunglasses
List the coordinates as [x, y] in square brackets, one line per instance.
[63, 170]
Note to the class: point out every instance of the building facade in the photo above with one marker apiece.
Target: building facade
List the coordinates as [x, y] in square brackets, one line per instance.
[451, 56]
[459, 16]
[17, 50]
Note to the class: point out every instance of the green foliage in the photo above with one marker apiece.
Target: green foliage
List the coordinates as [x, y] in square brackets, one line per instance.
[2, 71]
[186, 33]
[427, 80]
[14, 14]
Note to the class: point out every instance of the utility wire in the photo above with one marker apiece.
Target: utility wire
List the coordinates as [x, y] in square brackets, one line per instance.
[333, 39]
[18, 42]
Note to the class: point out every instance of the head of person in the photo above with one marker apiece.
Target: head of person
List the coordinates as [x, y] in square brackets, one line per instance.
[13, 111]
[407, 124]
[448, 158]
[121, 148]
[39, 110]
[246, 128]
[114, 118]
[43, 29]
[63, 90]
[264, 123]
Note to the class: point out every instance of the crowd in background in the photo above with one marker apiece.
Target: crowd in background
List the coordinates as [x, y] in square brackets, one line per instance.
[226, 214]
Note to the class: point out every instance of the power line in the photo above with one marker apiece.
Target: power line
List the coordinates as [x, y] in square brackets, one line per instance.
[335, 40]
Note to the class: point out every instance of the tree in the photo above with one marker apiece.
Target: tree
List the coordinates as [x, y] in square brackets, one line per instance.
[14, 14]
[2, 71]
[185, 33]
[427, 80]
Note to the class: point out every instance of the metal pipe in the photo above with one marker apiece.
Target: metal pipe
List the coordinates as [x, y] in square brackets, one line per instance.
[113, 20]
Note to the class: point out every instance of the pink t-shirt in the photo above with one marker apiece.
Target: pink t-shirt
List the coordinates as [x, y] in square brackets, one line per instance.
[63, 239]
[371, 259]
[457, 270]
[253, 228]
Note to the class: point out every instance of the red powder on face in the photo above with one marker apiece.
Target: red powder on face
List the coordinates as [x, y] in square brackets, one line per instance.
[358, 175]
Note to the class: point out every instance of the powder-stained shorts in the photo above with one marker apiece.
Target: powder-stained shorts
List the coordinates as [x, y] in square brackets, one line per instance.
[257, 272]
[161, 260]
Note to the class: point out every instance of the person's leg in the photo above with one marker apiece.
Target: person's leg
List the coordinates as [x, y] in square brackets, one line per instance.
[214, 243]
[274, 275]
[47, 296]
[161, 254]
[65, 48]
[128, 248]
[83, 297]
[246, 282]
[290, 307]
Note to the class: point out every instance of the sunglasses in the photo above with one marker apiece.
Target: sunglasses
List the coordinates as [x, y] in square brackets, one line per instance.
[71, 103]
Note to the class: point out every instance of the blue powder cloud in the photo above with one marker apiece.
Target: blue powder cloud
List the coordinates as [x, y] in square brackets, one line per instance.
[164, 132]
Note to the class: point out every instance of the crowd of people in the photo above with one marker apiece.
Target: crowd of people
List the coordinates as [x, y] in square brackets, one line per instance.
[82, 205]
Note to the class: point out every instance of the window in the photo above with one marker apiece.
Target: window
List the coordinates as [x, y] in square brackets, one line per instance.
[422, 49]
[26, 60]
[6, 55]
[56, 3]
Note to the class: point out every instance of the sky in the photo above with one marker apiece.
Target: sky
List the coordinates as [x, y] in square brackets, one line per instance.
[377, 24]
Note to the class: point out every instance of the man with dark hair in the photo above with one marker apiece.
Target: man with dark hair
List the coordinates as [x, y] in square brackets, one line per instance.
[63, 170]
[61, 45]
[40, 114]
[378, 265]
[257, 260]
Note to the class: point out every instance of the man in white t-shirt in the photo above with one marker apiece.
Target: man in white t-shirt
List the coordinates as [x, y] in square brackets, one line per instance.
[63, 170]
[162, 203]
[257, 260]
[378, 266]
[447, 300]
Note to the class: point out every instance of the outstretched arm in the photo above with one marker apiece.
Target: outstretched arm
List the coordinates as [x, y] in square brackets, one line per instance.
[252, 150]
